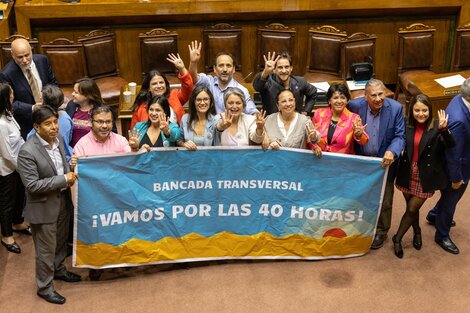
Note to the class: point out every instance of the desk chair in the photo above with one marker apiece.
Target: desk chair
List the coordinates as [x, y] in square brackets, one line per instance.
[223, 38]
[324, 54]
[155, 45]
[68, 62]
[462, 50]
[274, 37]
[415, 55]
[102, 64]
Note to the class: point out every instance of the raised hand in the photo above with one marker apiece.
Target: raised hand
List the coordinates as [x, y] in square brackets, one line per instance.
[270, 62]
[195, 51]
[358, 128]
[443, 119]
[312, 134]
[260, 119]
[226, 119]
[134, 139]
[164, 122]
[176, 60]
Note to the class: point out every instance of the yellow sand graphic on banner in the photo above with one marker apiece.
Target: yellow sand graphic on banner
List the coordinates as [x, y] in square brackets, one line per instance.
[224, 244]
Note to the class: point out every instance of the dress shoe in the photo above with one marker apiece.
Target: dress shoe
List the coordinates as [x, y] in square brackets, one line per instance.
[397, 247]
[69, 277]
[53, 297]
[379, 241]
[447, 245]
[12, 247]
[24, 231]
[417, 241]
[432, 221]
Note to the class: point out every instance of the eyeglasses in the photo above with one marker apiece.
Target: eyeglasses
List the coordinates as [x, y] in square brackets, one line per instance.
[101, 122]
[200, 100]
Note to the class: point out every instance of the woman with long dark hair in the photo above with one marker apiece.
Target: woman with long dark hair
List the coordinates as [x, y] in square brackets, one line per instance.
[420, 168]
[199, 126]
[157, 131]
[11, 187]
[156, 84]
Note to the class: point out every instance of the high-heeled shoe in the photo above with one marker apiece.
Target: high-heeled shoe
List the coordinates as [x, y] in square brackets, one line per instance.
[397, 247]
[417, 241]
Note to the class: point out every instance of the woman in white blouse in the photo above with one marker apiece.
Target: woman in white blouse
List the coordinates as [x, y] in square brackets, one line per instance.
[238, 128]
[287, 128]
[11, 187]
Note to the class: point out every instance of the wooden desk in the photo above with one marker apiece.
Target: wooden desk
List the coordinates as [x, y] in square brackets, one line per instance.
[5, 22]
[440, 96]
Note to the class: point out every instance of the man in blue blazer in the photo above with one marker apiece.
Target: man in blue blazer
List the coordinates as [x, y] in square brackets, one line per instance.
[15, 73]
[385, 126]
[458, 169]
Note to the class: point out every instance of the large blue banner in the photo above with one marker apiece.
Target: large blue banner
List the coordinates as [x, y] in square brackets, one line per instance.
[177, 205]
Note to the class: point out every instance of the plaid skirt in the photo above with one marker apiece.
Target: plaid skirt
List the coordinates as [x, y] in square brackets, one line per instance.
[416, 189]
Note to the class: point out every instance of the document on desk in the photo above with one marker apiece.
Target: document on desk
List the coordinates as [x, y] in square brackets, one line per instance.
[321, 86]
[353, 85]
[450, 81]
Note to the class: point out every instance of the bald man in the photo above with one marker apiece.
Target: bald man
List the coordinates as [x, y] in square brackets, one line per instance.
[25, 64]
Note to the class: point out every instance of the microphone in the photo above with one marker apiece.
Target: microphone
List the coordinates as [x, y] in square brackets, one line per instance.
[244, 78]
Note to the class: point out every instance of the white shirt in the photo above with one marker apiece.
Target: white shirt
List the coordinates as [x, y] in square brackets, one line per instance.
[35, 73]
[10, 144]
[54, 154]
[283, 131]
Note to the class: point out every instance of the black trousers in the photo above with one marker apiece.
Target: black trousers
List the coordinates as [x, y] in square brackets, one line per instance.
[12, 197]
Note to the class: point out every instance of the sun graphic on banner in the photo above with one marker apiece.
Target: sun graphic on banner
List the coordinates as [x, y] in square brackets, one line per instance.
[335, 232]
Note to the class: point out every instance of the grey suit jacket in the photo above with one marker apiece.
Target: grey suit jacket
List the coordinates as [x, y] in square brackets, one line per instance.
[43, 185]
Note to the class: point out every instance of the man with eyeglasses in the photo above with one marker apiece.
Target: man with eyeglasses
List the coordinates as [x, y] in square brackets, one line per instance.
[101, 139]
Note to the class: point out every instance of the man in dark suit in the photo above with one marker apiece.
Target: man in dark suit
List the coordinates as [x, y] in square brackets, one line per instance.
[276, 76]
[46, 175]
[385, 126]
[16, 72]
[458, 169]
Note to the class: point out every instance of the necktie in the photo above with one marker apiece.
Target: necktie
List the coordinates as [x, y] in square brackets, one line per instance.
[34, 85]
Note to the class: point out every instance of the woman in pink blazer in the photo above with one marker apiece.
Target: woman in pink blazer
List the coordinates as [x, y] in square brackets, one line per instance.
[339, 127]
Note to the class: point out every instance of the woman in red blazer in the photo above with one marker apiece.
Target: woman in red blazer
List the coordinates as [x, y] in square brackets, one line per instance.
[420, 168]
[156, 84]
[339, 127]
